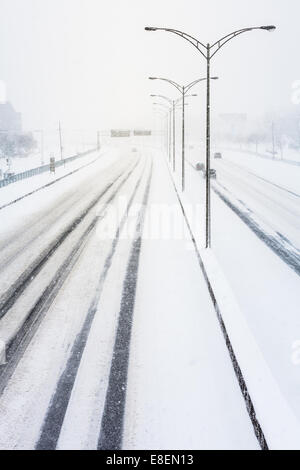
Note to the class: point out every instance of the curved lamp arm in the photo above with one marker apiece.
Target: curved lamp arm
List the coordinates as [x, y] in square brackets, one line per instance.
[176, 85]
[188, 87]
[220, 43]
[186, 36]
[163, 97]
[162, 105]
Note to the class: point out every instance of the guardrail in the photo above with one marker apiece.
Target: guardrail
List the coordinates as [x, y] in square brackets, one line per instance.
[42, 169]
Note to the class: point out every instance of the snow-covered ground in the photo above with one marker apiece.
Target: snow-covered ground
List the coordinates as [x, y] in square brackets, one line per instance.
[33, 160]
[20, 188]
[266, 289]
[277, 172]
[269, 190]
[287, 156]
[182, 391]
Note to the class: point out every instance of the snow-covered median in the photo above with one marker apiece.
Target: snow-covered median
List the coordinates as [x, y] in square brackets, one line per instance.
[280, 425]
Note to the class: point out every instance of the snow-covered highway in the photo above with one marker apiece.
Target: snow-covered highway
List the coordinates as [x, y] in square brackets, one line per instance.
[67, 323]
[114, 338]
[263, 281]
[277, 206]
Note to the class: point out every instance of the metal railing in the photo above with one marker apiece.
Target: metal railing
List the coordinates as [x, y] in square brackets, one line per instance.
[42, 169]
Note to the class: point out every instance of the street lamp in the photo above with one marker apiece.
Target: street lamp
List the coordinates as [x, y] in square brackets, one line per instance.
[174, 105]
[208, 52]
[183, 90]
[166, 110]
[170, 119]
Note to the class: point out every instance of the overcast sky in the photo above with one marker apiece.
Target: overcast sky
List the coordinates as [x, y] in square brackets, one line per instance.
[86, 62]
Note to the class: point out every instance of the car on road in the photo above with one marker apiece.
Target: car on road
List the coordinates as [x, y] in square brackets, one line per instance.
[213, 173]
[218, 155]
[200, 166]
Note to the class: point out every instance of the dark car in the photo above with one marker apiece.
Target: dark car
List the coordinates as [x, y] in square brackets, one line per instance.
[213, 173]
[218, 155]
[200, 167]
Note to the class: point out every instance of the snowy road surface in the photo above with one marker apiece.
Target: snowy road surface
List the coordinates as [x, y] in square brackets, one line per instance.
[277, 206]
[111, 337]
[266, 288]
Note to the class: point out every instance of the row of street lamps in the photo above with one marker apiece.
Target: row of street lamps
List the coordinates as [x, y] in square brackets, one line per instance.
[173, 104]
[183, 90]
[207, 51]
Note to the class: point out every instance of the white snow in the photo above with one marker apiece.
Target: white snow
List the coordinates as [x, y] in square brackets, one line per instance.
[182, 390]
[267, 292]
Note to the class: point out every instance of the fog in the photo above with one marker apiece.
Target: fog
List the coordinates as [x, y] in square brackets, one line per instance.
[86, 62]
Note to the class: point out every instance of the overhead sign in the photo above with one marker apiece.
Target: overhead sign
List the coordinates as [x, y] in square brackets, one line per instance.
[119, 133]
[142, 132]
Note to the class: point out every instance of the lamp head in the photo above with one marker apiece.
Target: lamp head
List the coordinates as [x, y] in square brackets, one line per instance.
[150, 28]
[270, 28]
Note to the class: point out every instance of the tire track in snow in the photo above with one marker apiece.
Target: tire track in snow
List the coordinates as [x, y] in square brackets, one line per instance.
[17, 345]
[292, 259]
[239, 375]
[111, 433]
[8, 299]
[229, 163]
[57, 410]
[277, 245]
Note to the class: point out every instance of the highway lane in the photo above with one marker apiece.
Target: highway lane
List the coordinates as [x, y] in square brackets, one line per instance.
[277, 207]
[35, 367]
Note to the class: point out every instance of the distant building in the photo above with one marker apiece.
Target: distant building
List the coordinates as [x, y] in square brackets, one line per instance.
[10, 120]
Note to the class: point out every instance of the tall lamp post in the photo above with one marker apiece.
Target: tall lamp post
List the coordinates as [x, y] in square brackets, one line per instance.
[167, 111]
[174, 104]
[170, 119]
[172, 112]
[208, 52]
[183, 90]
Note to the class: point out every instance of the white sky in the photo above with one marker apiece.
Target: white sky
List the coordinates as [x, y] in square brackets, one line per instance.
[86, 62]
